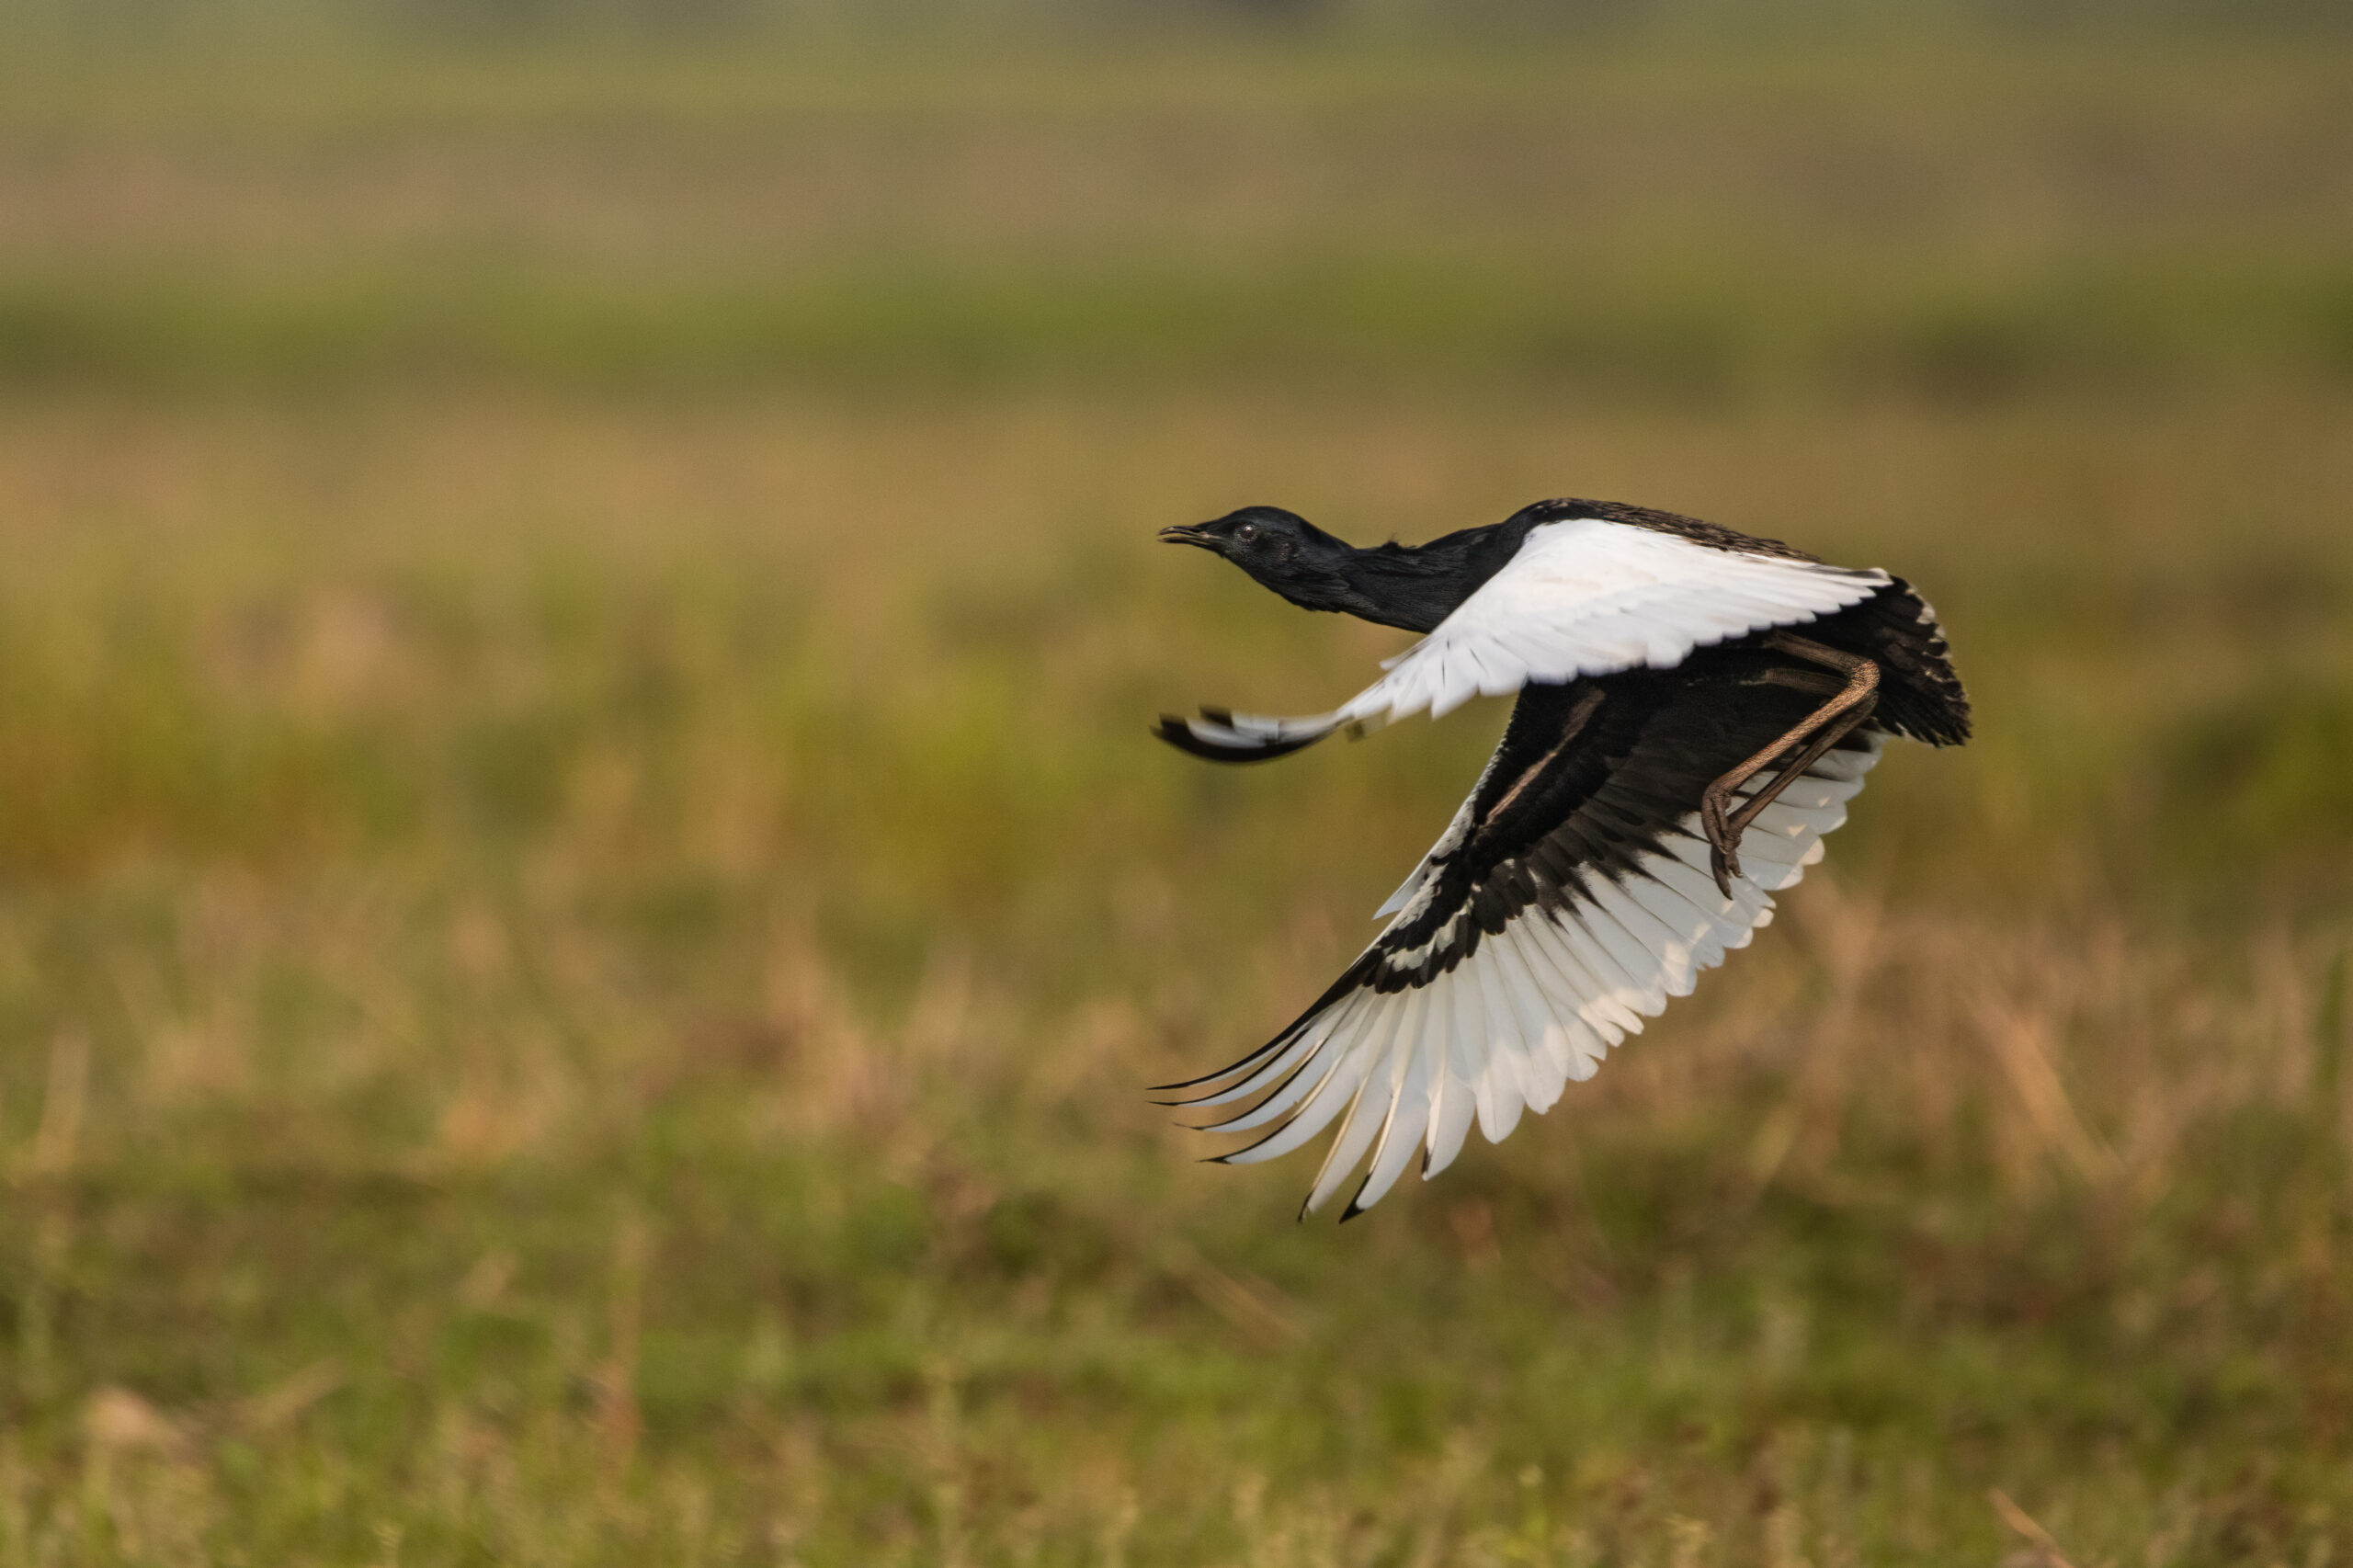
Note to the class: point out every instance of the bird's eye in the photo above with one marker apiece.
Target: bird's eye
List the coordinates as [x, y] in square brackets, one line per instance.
[1247, 532]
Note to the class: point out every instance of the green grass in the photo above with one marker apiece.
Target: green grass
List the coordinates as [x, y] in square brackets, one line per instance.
[585, 903]
[2113, 324]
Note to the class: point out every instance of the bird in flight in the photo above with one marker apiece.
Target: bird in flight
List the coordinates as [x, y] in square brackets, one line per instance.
[1696, 707]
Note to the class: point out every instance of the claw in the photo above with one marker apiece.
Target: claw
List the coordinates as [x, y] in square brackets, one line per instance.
[1723, 853]
[1724, 867]
[1723, 849]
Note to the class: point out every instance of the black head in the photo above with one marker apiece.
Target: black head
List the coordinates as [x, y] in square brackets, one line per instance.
[1281, 549]
[1411, 587]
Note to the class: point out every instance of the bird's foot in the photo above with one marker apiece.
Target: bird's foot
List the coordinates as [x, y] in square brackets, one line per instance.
[1723, 844]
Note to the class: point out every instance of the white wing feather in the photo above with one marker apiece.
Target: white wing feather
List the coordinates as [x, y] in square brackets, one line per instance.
[1536, 1005]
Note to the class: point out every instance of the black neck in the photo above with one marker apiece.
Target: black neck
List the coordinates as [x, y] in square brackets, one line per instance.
[1410, 587]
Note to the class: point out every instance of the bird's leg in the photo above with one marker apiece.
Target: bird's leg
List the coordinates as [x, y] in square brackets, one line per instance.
[1828, 736]
[1827, 725]
[1817, 683]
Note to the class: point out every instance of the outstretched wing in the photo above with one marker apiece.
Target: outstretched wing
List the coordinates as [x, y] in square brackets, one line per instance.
[1567, 901]
[1584, 597]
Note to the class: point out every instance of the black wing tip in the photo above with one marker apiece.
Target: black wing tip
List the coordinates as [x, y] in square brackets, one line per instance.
[1232, 1069]
[1356, 1206]
[1180, 733]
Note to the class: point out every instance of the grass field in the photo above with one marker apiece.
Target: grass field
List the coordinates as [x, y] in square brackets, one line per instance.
[586, 902]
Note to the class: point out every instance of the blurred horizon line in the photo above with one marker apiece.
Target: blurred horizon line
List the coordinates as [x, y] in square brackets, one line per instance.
[281, 28]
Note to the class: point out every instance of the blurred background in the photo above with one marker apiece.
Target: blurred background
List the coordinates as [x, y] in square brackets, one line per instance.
[586, 904]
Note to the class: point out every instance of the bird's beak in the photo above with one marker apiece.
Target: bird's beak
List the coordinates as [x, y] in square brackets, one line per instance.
[1185, 534]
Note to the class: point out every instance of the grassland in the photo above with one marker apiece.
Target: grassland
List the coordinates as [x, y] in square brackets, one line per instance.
[585, 903]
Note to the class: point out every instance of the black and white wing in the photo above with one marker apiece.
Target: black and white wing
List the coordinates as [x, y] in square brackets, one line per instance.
[1568, 900]
[1582, 596]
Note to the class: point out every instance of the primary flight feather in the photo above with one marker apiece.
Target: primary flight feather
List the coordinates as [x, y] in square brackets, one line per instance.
[1696, 707]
